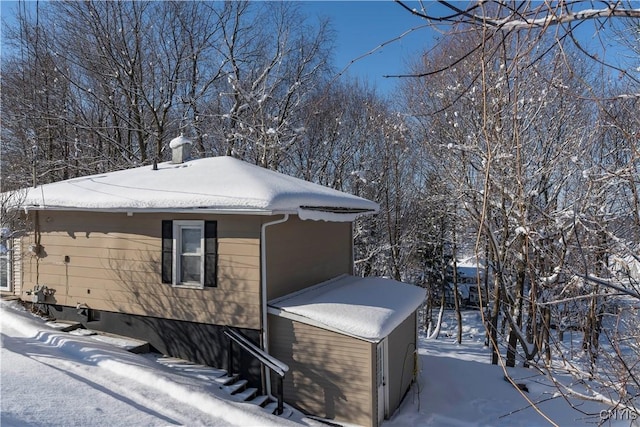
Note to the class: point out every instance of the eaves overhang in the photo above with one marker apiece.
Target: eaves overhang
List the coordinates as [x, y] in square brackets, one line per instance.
[324, 213]
[199, 209]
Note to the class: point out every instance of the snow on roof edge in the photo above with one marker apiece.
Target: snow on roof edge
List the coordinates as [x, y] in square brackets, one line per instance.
[303, 214]
[369, 308]
[211, 209]
[215, 184]
[330, 215]
[311, 322]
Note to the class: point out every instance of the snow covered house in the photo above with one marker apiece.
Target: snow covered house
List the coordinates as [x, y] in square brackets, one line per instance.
[471, 279]
[173, 254]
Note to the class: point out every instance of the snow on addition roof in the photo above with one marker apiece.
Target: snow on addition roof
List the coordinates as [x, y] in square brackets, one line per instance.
[220, 184]
[369, 308]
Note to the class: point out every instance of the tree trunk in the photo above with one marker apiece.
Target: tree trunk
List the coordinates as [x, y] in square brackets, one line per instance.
[456, 298]
[591, 337]
[517, 315]
[546, 327]
[495, 314]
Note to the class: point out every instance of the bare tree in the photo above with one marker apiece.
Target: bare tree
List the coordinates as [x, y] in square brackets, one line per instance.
[36, 146]
[504, 148]
[544, 157]
[109, 83]
[559, 22]
[273, 67]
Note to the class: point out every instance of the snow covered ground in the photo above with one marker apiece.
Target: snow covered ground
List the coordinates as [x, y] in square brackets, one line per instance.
[52, 378]
[458, 386]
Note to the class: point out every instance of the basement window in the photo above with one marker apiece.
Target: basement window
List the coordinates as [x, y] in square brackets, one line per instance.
[189, 253]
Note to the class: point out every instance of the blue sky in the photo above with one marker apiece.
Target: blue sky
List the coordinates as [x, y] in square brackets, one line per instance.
[361, 26]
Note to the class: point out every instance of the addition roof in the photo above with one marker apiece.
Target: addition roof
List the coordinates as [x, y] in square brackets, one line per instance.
[368, 308]
[214, 184]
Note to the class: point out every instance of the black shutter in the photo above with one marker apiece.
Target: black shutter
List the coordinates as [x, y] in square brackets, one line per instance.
[210, 253]
[167, 251]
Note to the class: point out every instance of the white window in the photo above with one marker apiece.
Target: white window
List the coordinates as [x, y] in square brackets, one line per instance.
[5, 272]
[188, 257]
[5, 263]
[189, 253]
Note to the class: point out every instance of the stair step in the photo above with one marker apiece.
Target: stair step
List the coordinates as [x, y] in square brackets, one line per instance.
[64, 325]
[260, 400]
[226, 380]
[247, 394]
[273, 407]
[192, 369]
[132, 345]
[236, 387]
[325, 421]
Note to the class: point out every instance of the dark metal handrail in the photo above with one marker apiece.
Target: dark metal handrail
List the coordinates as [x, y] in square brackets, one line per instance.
[263, 357]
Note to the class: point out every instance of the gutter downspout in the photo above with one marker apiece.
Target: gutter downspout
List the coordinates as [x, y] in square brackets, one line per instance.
[263, 291]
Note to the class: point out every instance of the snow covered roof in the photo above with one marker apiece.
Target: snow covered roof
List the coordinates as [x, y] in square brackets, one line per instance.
[369, 308]
[214, 184]
[469, 262]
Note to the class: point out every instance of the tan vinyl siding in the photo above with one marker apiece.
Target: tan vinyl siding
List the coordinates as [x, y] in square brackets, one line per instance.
[401, 345]
[17, 265]
[16, 272]
[330, 374]
[304, 253]
[114, 264]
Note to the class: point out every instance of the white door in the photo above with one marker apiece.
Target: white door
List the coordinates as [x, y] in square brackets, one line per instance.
[381, 380]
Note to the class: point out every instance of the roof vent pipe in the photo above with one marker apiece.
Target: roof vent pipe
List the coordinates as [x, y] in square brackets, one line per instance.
[180, 149]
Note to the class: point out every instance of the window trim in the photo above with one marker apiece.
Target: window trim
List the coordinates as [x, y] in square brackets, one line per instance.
[170, 230]
[6, 282]
[6, 275]
[178, 227]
